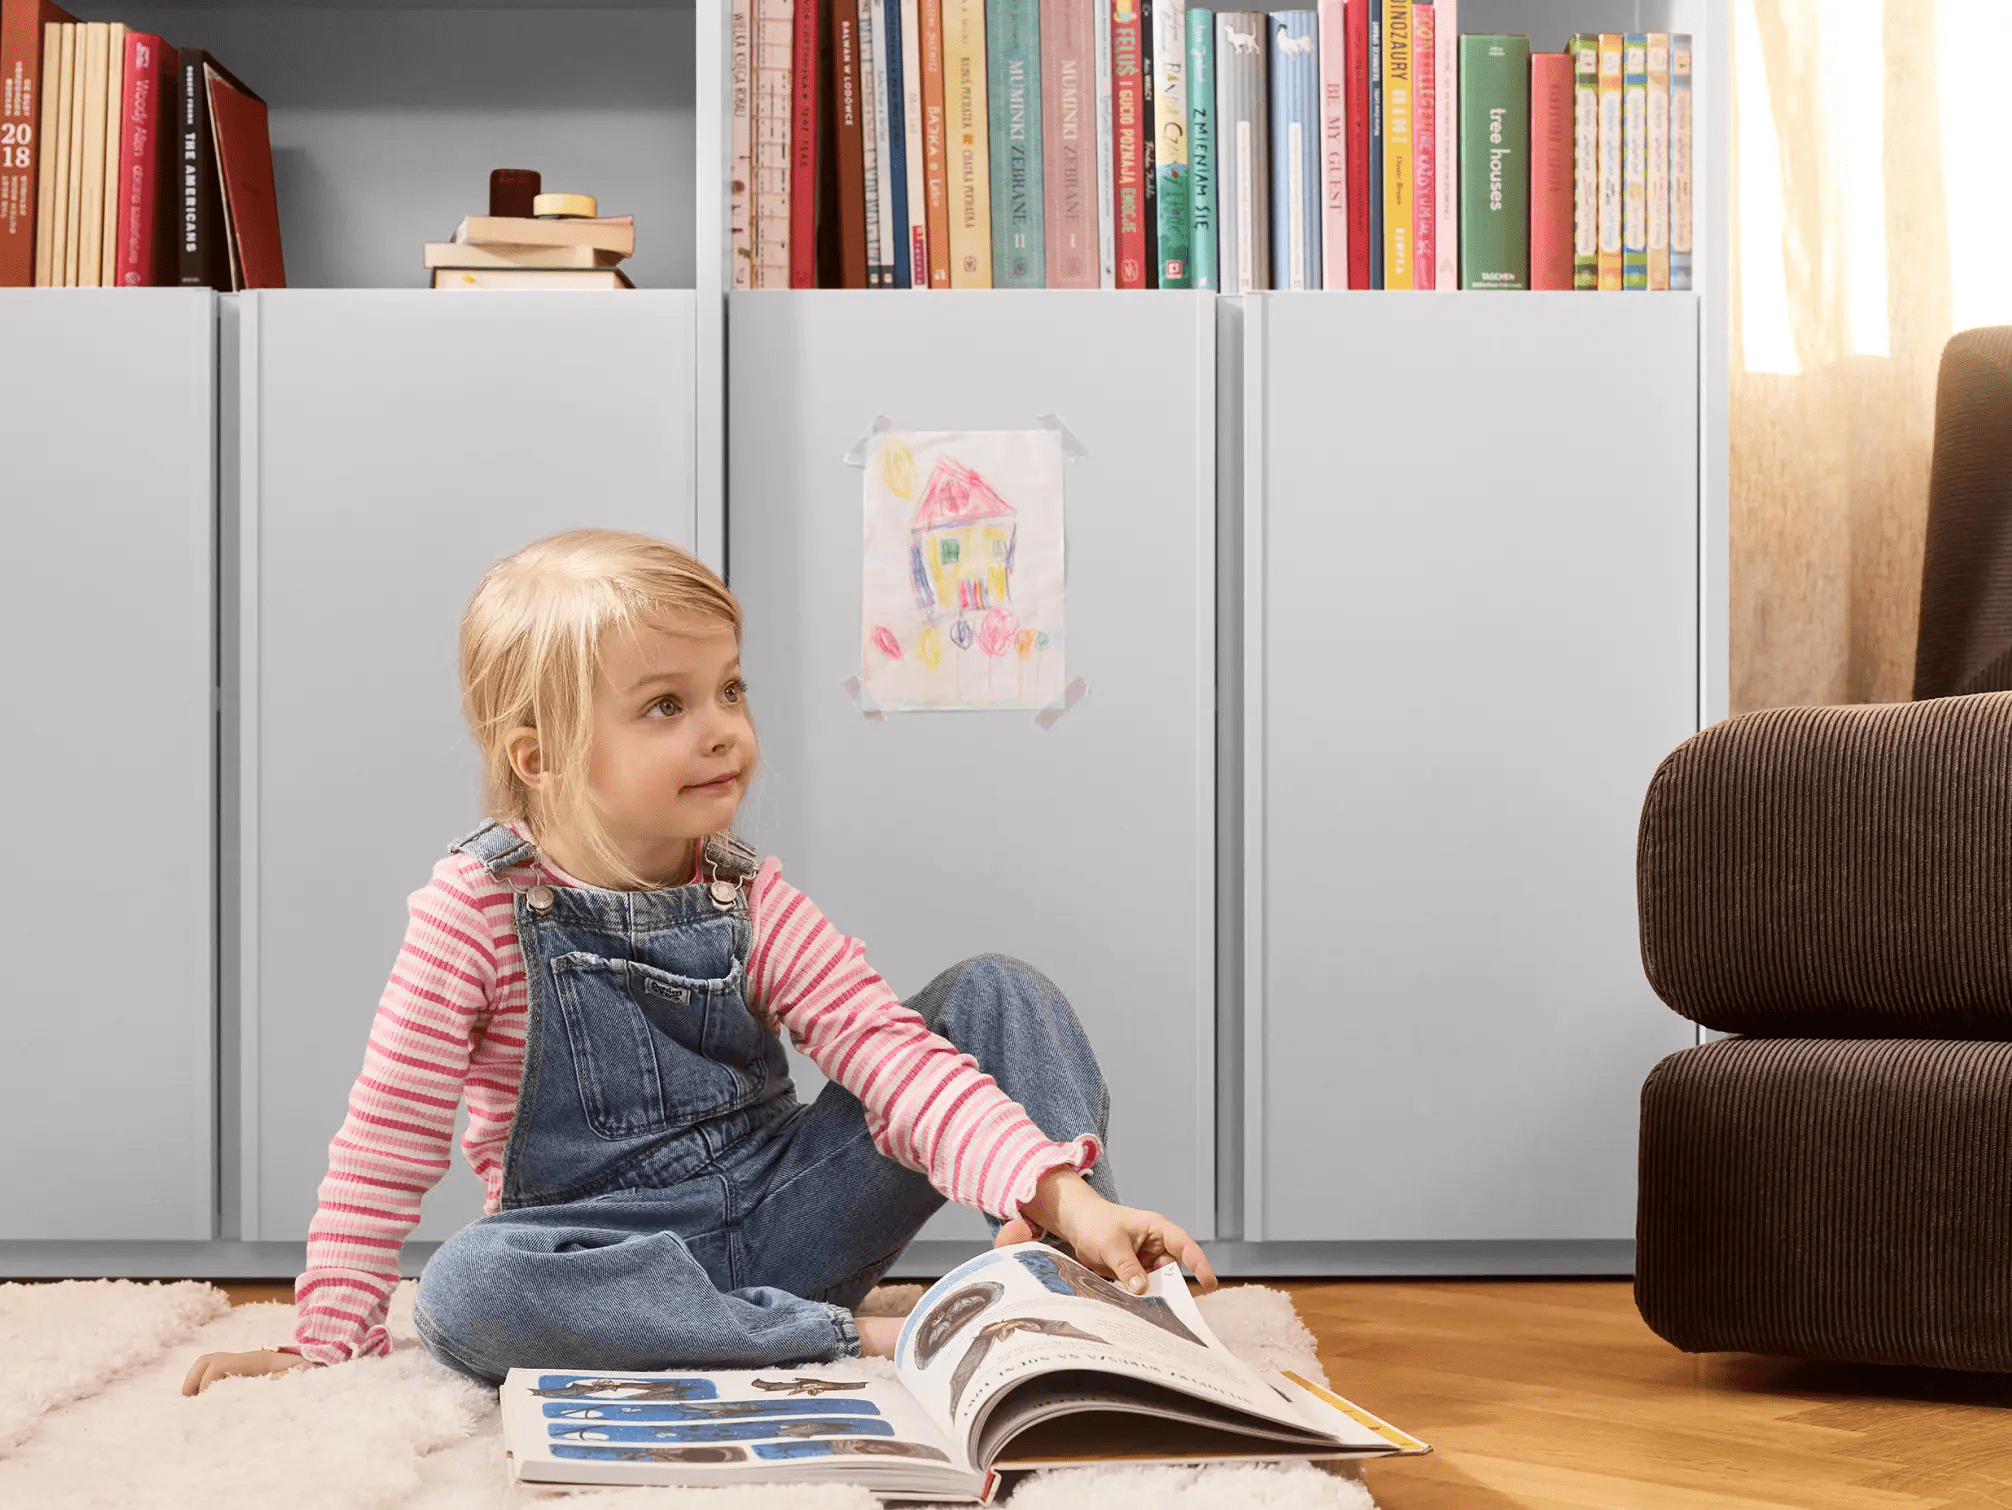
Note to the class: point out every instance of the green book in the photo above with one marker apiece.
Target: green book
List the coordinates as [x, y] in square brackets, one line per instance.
[1202, 145]
[1635, 161]
[1494, 162]
[1171, 168]
[1585, 51]
[1013, 90]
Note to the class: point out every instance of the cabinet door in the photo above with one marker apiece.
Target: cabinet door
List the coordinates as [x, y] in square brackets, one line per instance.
[1084, 848]
[107, 646]
[393, 445]
[1471, 626]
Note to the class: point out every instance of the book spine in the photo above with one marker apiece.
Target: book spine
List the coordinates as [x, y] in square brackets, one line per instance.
[848, 151]
[1495, 137]
[62, 269]
[1127, 127]
[873, 147]
[78, 67]
[140, 120]
[1174, 174]
[894, 127]
[1294, 98]
[916, 189]
[115, 101]
[1376, 130]
[1243, 130]
[1201, 85]
[1013, 83]
[1397, 146]
[1149, 177]
[91, 208]
[1635, 162]
[1355, 21]
[1550, 170]
[774, 39]
[1424, 144]
[1069, 165]
[1107, 181]
[42, 159]
[1658, 182]
[1446, 143]
[740, 194]
[1333, 144]
[935, 144]
[1680, 160]
[24, 51]
[1585, 50]
[1608, 254]
[803, 146]
[970, 167]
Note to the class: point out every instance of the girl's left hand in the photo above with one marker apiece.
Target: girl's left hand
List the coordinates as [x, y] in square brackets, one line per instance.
[1119, 1242]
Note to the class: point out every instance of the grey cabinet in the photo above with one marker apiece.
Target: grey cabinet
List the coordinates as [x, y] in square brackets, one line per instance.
[107, 420]
[1085, 847]
[1470, 631]
[386, 448]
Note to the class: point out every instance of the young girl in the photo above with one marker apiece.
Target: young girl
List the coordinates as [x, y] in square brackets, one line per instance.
[605, 970]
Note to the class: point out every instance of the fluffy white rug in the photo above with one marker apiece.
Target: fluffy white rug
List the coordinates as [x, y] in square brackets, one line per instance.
[92, 1415]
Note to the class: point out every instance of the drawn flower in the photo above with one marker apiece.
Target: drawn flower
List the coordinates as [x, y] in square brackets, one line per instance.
[897, 467]
[960, 635]
[996, 631]
[885, 642]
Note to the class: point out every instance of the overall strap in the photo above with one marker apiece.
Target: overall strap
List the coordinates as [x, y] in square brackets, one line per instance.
[496, 846]
[729, 857]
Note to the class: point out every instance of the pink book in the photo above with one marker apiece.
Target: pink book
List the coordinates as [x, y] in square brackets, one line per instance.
[1069, 142]
[1333, 145]
[1424, 148]
[1550, 170]
[148, 69]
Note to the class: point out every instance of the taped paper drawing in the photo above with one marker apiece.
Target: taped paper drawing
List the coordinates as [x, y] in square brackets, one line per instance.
[962, 582]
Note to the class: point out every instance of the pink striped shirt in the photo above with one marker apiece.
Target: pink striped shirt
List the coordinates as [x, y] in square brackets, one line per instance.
[452, 1021]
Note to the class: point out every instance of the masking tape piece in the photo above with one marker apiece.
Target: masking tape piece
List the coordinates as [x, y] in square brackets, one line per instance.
[863, 447]
[862, 699]
[1071, 695]
[1072, 448]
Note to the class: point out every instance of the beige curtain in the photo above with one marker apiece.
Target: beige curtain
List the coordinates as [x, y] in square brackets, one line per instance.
[1838, 189]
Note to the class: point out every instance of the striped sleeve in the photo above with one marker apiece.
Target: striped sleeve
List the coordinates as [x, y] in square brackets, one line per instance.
[397, 1139]
[928, 1105]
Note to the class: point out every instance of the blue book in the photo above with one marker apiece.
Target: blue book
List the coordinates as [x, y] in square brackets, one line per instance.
[897, 142]
[1202, 145]
[1375, 141]
[1013, 93]
[1295, 149]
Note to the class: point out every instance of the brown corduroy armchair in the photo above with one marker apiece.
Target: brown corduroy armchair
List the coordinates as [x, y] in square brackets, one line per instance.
[1834, 886]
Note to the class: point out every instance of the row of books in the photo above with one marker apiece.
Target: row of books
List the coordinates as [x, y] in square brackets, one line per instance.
[1150, 143]
[127, 163]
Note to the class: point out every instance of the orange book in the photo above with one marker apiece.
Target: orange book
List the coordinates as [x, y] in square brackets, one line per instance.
[1609, 254]
[1550, 170]
[23, 50]
[935, 148]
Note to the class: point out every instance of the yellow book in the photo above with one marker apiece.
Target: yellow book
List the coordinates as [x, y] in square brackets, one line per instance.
[63, 256]
[91, 181]
[115, 99]
[45, 159]
[969, 142]
[1398, 188]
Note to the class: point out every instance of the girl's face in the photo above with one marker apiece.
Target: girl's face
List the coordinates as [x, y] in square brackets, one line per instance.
[673, 747]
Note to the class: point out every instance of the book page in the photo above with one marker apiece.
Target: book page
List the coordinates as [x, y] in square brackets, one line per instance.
[1018, 1312]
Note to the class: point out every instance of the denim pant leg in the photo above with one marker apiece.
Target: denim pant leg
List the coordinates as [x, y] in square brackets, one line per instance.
[829, 1214]
[610, 1283]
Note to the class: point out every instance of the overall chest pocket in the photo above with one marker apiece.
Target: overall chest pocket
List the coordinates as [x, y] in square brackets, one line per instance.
[653, 1051]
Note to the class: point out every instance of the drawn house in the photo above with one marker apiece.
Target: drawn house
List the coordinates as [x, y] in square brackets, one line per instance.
[961, 543]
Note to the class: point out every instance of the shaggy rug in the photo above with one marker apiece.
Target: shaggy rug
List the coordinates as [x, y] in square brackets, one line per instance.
[92, 1417]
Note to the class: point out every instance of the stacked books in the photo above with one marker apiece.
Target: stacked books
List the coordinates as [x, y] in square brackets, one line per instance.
[539, 251]
[1155, 144]
[125, 162]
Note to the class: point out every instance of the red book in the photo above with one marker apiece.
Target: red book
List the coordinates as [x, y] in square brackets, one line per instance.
[1356, 20]
[1424, 154]
[1550, 170]
[935, 146]
[251, 208]
[1128, 177]
[847, 149]
[803, 146]
[21, 147]
[145, 126]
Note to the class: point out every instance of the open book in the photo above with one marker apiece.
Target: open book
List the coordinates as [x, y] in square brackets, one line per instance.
[1021, 1358]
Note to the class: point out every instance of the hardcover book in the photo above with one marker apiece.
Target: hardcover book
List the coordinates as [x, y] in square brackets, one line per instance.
[88, 217]
[205, 259]
[1550, 170]
[969, 146]
[1635, 161]
[144, 131]
[244, 162]
[803, 147]
[740, 109]
[894, 163]
[1013, 86]
[1585, 50]
[544, 279]
[1107, 190]
[1680, 160]
[848, 148]
[1243, 132]
[1149, 176]
[1201, 84]
[26, 117]
[1020, 1358]
[935, 144]
[1173, 176]
[1397, 145]
[114, 151]
[606, 233]
[873, 148]
[63, 60]
[915, 190]
[1494, 152]
[1446, 142]
[1355, 22]
[774, 42]
[1128, 129]
[1333, 144]
[1069, 142]
[1659, 160]
[1424, 144]
[1609, 251]
[1294, 98]
[1376, 128]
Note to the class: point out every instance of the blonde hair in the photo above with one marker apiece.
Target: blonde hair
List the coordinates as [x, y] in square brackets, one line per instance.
[530, 656]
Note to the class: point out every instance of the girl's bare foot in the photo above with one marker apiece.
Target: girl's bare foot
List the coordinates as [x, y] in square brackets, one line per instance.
[878, 1334]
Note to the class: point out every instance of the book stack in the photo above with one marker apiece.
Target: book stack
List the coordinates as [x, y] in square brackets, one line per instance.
[1156, 144]
[560, 244]
[125, 162]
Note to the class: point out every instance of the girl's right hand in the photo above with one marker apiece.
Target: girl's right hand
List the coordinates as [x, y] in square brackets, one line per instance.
[214, 1366]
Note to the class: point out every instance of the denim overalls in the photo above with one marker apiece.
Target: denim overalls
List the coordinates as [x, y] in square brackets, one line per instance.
[666, 1199]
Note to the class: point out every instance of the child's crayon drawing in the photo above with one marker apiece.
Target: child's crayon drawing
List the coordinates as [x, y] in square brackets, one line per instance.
[962, 583]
